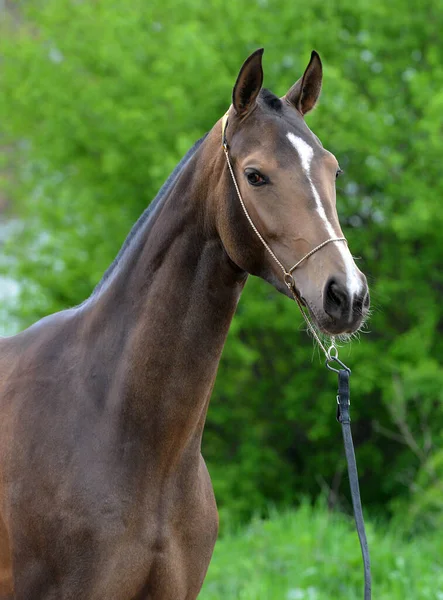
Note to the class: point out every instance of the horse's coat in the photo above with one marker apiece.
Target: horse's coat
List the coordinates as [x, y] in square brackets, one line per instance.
[104, 493]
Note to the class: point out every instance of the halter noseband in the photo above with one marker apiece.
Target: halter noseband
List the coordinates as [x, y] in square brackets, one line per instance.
[287, 273]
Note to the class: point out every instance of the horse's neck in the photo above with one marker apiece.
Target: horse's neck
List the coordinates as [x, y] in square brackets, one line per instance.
[167, 310]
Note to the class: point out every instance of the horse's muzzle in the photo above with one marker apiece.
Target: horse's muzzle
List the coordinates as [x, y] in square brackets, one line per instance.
[345, 309]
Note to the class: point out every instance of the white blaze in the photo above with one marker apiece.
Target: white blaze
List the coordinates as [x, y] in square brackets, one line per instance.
[306, 154]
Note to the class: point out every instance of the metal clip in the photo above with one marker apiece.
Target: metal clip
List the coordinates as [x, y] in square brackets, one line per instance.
[335, 359]
[338, 400]
[332, 356]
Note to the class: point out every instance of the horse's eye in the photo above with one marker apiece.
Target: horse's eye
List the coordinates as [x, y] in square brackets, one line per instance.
[254, 177]
[338, 173]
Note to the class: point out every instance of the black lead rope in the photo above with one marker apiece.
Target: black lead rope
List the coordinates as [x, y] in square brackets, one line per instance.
[343, 417]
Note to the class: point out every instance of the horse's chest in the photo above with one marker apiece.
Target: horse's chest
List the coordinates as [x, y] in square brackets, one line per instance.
[110, 538]
[157, 561]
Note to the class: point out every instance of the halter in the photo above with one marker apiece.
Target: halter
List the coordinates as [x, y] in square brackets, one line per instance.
[288, 278]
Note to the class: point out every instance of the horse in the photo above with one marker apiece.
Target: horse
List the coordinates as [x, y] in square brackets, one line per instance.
[104, 493]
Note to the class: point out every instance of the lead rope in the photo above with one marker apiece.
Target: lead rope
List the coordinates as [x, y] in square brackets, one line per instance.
[343, 417]
[343, 401]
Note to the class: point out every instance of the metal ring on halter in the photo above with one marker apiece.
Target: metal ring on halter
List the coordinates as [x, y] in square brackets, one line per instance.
[289, 280]
[332, 350]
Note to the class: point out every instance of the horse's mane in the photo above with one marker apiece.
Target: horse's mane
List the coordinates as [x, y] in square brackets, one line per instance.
[150, 210]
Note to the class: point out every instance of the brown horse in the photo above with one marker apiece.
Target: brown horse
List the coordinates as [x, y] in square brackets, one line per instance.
[104, 494]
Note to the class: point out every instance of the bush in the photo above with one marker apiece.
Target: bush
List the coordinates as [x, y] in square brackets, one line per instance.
[103, 98]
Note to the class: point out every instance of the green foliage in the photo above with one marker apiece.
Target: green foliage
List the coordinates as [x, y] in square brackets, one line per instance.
[103, 98]
[311, 554]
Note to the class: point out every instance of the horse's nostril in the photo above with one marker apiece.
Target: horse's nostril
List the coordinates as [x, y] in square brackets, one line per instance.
[336, 299]
[366, 301]
[358, 304]
[333, 294]
[361, 303]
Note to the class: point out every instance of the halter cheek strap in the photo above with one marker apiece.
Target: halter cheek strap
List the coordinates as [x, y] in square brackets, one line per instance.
[287, 273]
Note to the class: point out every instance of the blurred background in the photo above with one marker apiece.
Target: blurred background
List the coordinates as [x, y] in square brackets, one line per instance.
[99, 99]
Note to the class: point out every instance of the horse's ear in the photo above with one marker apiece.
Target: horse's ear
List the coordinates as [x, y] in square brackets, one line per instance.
[304, 94]
[248, 84]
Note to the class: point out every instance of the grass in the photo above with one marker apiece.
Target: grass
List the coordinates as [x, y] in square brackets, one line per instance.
[310, 554]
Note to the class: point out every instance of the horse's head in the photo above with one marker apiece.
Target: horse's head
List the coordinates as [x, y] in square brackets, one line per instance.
[286, 179]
